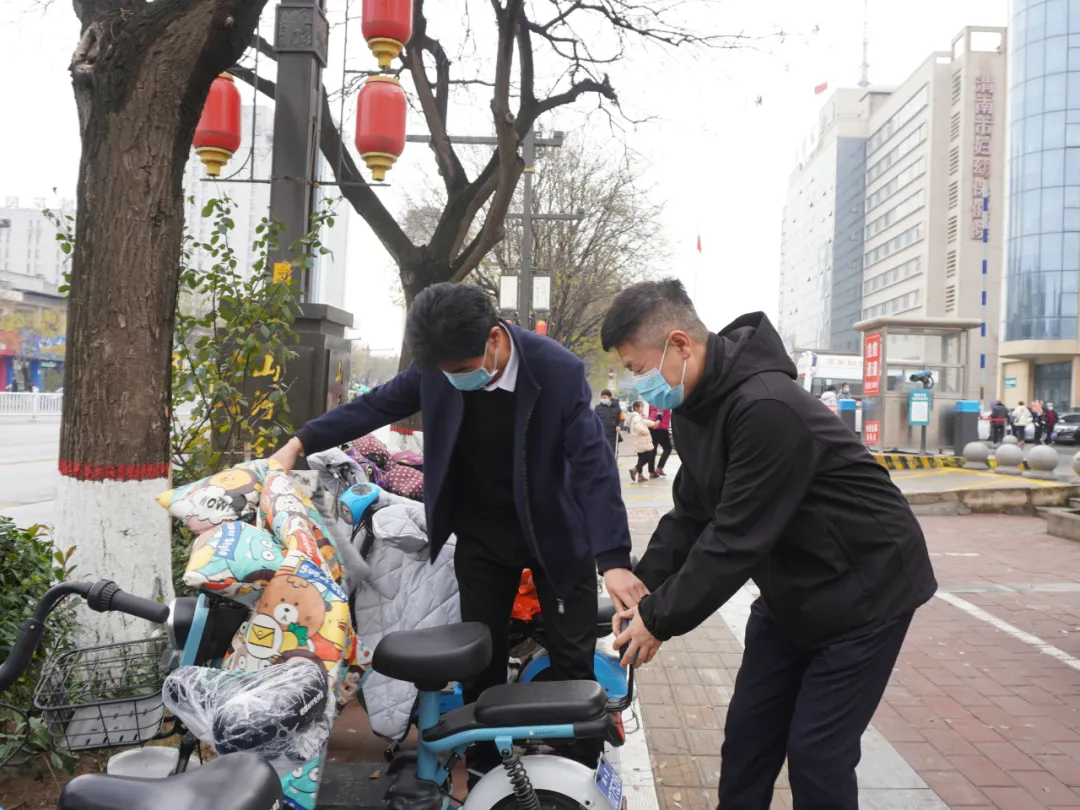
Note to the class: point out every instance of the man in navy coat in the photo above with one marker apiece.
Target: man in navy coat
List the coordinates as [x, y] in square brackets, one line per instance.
[516, 465]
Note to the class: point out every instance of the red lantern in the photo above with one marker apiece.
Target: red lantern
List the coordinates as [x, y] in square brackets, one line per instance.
[380, 124]
[541, 327]
[387, 27]
[217, 137]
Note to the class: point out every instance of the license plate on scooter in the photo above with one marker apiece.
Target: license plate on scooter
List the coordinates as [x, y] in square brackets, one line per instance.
[610, 784]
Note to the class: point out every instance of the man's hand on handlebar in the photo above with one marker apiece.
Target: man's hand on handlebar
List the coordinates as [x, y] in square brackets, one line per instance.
[289, 453]
[641, 645]
[624, 588]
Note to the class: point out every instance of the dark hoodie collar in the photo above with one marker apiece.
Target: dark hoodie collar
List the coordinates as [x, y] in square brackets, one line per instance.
[747, 346]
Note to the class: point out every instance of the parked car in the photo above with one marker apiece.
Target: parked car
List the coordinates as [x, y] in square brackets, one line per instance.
[1067, 429]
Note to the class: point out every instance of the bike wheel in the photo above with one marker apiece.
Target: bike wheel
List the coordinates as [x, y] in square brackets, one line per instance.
[549, 800]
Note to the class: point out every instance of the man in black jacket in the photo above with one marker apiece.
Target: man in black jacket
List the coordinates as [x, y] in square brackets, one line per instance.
[773, 488]
[610, 417]
[515, 464]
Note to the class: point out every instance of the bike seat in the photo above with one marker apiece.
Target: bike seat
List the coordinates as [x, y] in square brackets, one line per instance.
[435, 656]
[550, 703]
[234, 782]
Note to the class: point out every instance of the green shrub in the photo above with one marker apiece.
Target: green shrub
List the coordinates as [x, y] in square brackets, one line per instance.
[29, 566]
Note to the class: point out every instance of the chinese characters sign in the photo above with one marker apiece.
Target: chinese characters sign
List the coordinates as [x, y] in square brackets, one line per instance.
[981, 154]
[871, 433]
[872, 364]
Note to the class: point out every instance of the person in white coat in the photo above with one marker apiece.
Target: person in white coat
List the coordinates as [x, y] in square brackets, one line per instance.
[1021, 418]
[640, 439]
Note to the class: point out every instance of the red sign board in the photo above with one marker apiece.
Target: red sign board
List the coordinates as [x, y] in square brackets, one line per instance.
[871, 432]
[872, 364]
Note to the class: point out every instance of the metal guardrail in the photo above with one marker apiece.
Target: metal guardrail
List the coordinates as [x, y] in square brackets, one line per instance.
[30, 405]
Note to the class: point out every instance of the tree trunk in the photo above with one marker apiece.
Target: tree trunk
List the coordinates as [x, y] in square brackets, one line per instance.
[413, 282]
[139, 92]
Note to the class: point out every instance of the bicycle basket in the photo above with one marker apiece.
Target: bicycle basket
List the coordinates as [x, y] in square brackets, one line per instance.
[106, 696]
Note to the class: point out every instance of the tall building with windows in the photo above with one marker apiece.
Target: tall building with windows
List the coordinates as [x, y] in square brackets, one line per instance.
[1041, 347]
[822, 238]
[934, 223]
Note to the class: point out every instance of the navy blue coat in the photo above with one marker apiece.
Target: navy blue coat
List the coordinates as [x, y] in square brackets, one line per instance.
[566, 490]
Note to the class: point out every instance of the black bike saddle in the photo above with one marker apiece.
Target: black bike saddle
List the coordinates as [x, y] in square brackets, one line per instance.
[234, 782]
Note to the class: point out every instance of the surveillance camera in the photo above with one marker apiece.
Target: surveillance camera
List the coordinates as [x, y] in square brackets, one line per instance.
[926, 378]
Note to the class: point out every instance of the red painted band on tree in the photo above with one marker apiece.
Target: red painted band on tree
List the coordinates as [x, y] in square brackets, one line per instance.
[86, 471]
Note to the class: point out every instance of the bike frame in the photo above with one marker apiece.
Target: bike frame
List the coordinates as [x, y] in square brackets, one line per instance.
[546, 772]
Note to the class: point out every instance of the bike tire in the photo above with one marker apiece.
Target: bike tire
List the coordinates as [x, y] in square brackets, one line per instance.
[549, 800]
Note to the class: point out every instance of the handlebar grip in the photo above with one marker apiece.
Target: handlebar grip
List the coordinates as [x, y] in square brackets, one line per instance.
[623, 627]
[105, 595]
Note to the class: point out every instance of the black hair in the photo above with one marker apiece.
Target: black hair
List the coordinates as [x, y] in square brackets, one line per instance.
[831, 388]
[637, 404]
[448, 323]
[646, 313]
[605, 393]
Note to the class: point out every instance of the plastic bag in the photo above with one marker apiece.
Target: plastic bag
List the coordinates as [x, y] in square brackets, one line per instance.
[281, 711]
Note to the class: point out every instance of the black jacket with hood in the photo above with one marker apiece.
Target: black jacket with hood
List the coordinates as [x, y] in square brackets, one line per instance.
[773, 487]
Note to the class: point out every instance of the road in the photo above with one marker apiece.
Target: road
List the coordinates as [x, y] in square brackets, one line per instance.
[28, 474]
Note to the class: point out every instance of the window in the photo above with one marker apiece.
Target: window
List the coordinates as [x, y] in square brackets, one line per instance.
[916, 137]
[901, 303]
[901, 117]
[894, 215]
[912, 267]
[898, 242]
[903, 179]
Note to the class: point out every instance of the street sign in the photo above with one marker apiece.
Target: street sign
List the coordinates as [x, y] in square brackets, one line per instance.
[282, 272]
[919, 406]
[871, 433]
[1010, 382]
[872, 364]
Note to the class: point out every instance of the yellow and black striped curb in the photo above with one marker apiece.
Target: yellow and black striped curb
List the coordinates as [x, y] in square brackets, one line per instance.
[903, 461]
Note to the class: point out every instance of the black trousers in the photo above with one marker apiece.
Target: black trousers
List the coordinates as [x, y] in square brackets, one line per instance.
[810, 707]
[662, 441]
[997, 432]
[488, 580]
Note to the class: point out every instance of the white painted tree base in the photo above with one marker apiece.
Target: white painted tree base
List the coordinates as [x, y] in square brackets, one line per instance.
[120, 533]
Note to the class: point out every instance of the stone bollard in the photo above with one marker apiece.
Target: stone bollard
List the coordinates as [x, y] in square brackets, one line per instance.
[1010, 439]
[975, 456]
[1076, 464]
[1008, 458]
[1042, 461]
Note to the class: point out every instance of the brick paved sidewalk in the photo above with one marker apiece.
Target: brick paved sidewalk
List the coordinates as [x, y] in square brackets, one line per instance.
[979, 713]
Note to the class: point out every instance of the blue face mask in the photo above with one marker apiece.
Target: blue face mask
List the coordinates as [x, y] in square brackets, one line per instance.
[658, 392]
[477, 378]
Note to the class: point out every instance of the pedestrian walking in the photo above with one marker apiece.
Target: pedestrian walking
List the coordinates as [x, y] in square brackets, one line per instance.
[1038, 421]
[641, 441]
[999, 417]
[1051, 421]
[829, 397]
[516, 466]
[773, 489]
[661, 436]
[1021, 418]
[611, 417]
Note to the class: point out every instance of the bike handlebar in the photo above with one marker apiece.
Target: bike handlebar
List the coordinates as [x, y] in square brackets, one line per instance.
[622, 704]
[100, 596]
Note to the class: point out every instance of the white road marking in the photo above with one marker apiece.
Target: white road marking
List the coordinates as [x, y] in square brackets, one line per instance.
[1039, 644]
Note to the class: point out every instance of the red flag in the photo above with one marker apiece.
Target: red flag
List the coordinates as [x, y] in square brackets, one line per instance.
[821, 88]
[699, 243]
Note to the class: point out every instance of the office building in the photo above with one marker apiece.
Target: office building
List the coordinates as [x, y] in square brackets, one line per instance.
[822, 239]
[934, 220]
[1041, 348]
[33, 313]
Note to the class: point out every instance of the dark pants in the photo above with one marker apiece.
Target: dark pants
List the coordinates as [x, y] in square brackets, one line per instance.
[997, 431]
[811, 707]
[644, 460]
[1038, 434]
[1019, 431]
[488, 580]
[662, 441]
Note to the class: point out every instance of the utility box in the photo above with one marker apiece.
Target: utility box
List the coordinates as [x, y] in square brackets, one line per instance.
[966, 429]
[846, 410]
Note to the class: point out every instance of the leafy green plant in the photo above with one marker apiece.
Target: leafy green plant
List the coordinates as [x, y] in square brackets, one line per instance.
[232, 338]
[29, 566]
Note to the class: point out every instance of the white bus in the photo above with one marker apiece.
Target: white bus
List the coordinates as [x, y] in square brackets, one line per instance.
[820, 369]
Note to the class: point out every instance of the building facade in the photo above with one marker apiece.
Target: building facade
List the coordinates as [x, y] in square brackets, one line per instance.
[822, 237]
[33, 313]
[1041, 343]
[933, 233]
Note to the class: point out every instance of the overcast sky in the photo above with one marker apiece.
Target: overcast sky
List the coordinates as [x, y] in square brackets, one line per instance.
[717, 158]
